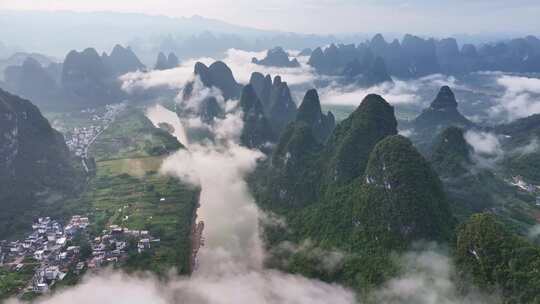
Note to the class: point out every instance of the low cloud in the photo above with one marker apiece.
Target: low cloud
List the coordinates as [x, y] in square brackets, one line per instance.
[484, 142]
[406, 132]
[240, 63]
[325, 260]
[534, 232]
[521, 97]
[171, 79]
[230, 267]
[401, 92]
[487, 148]
[398, 92]
[248, 287]
[429, 277]
[529, 148]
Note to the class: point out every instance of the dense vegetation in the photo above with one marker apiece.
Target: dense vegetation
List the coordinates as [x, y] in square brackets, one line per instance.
[472, 188]
[521, 141]
[12, 282]
[354, 200]
[498, 260]
[376, 195]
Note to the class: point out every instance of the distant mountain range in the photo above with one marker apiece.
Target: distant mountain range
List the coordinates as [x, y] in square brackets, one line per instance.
[414, 57]
[83, 79]
[148, 34]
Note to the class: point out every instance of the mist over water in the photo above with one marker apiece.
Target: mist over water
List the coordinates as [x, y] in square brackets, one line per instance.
[231, 238]
[230, 264]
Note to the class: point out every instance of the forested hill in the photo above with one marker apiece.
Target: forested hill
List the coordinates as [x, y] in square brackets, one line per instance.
[365, 191]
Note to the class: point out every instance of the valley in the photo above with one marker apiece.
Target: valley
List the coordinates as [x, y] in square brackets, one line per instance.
[171, 160]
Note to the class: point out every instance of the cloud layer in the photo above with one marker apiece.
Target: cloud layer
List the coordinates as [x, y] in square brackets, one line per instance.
[487, 148]
[429, 278]
[521, 97]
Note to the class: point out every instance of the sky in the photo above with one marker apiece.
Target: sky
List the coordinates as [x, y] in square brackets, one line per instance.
[330, 16]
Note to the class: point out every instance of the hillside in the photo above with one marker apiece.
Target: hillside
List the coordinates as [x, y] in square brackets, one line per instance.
[376, 194]
[441, 114]
[36, 171]
[497, 261]
[473, 189]
[521, 138]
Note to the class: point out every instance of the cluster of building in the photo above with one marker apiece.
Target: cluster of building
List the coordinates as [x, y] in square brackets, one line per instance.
[47, 247]
[114, 243]
[80, 138]
[51, 251]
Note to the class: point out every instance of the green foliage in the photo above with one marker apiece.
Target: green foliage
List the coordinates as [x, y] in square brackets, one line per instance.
[132, 135]
[473, 189]
[525, 165]
[451, 153]
[339, 209]
[403, 198]
[496, 259]
[351, 142]
[292, 176]
[12, 282]
[519, 134]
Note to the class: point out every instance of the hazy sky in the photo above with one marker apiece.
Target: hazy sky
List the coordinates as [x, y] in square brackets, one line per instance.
[328, 16]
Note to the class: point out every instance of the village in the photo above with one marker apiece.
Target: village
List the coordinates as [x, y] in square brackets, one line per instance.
[54, 250]
[79, 139]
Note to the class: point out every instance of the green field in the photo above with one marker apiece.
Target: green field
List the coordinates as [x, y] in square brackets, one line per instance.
[133, 200]
[132, 135]
[129, 191]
